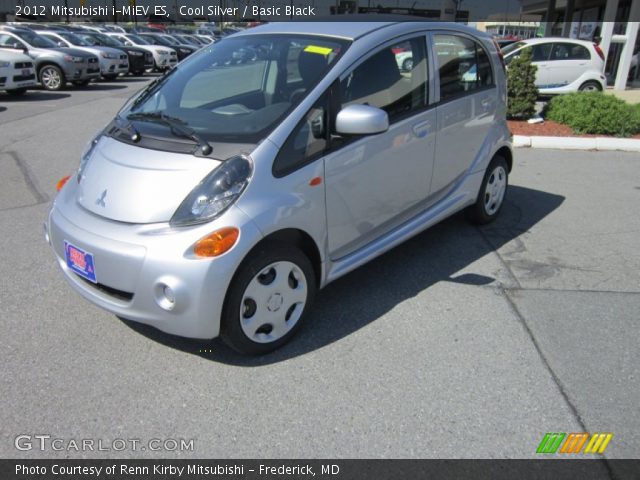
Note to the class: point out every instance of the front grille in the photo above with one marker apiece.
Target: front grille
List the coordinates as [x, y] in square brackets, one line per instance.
[93, 60]
[148, 57]
[112, 292]
[22, 78]
[123, 57]
[173, 54]
[3, 80]
[20, 65]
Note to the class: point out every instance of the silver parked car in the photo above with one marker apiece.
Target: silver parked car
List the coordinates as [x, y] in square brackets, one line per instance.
[226, 193]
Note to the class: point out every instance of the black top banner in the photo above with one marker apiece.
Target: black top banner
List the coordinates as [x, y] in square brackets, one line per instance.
[175, 12]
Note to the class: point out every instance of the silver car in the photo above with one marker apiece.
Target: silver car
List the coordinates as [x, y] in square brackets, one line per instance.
[227, 192]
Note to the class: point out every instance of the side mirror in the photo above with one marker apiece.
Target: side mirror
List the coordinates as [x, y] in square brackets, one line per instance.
[361, 120]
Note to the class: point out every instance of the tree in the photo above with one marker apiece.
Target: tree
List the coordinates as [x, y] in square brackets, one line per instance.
[521, 88]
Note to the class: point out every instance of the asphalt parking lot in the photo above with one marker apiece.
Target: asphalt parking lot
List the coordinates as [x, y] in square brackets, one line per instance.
[463, 342]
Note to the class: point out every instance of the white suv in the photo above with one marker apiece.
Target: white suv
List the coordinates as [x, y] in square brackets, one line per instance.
[564, 65]
[17, 72]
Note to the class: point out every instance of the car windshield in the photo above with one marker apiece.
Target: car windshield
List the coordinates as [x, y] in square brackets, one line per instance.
[138, 40]
[107, 40]
[74, 39]
[239, 89]
[512, 48]
[36, 40]
[159, 40]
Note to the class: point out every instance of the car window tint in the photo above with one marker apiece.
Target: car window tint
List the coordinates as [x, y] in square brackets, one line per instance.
[540, 52]
[570, 51]
[307, 141]
[8, 40]
[394, 79]
[485, 73]
[463, 65]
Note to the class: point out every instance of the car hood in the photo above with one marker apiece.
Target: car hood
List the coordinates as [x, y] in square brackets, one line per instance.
[96, 50]
[14, 56]
[127, 183]
[155, 48]
[76, 52]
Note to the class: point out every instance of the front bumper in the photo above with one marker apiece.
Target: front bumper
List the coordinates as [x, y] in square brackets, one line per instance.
[82, 71]
[23, 78]
[134, 264]
[111, 66]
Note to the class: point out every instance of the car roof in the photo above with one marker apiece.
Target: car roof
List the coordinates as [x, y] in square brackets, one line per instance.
[534, 41]
[352, 27]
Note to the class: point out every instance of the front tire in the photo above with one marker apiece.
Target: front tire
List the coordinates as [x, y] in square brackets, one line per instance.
[269, 296]
[492, 192]
[52, 78]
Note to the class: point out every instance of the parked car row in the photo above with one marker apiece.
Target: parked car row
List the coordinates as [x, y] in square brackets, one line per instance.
[55, 55]
[564, 65]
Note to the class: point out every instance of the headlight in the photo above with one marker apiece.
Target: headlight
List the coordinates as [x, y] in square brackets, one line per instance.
[70, 58]
[5, 64]
[86, 155]
[164, 52]
[218, 191]
[110, 56]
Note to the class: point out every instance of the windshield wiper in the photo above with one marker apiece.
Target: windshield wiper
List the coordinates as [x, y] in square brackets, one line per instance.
[177, 127]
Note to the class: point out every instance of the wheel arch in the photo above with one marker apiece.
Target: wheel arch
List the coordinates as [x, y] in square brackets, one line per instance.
[299, 238]
[506, 153]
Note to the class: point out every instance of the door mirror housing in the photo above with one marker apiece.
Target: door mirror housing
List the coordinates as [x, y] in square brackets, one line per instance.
[361, 120]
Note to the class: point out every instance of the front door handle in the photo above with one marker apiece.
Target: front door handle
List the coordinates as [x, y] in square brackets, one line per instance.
[421, 129]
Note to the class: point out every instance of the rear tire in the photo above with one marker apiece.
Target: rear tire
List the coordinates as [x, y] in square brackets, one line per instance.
[492, 193]
[268, 298]
[590, 86]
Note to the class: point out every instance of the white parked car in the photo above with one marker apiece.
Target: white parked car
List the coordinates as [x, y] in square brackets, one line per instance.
[17, 72]
[564, 65]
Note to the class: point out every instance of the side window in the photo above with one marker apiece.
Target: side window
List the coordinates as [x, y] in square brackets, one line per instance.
[463, 65]
[485, 73]
[569, 51]
[307, 142]
[540, 52]
[394, 79]
[578, 52]
[9, 41]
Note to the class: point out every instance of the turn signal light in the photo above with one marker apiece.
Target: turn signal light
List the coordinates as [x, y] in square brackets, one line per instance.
[217, 243]
[61, 182]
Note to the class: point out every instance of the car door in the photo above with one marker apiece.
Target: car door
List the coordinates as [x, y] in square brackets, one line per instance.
[374, 183]
[567, 63]
[540, 53]
[466, 109]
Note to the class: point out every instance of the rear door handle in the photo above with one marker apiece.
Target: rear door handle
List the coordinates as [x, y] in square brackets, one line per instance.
[486, 103]
[421, 129]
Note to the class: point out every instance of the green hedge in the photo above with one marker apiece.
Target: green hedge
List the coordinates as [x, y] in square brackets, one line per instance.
[595, 113]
